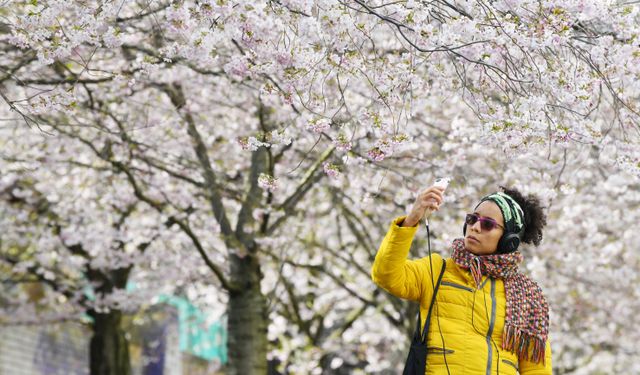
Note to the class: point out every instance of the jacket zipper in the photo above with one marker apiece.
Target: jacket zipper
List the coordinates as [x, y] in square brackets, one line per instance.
[491, 324]
[463, 287]
[449, 283]
[508, 362]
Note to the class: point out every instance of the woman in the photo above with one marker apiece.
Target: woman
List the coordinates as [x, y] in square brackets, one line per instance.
[488, 317]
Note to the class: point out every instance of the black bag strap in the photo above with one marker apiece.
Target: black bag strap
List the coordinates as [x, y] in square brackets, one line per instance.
[423, 336]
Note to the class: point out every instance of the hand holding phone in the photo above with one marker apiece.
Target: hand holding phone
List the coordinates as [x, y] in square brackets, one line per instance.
[427, 201]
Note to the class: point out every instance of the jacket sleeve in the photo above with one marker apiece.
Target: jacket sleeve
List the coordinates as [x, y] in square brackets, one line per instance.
[391, 269]
[531, 368]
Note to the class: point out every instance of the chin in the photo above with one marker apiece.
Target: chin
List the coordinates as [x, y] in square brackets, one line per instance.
[473, 248]
[470, 246]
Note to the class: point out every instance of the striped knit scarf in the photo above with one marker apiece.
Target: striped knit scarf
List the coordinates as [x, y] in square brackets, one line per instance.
[527, 319]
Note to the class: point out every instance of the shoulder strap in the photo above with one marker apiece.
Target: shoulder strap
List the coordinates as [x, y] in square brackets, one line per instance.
[433, 298]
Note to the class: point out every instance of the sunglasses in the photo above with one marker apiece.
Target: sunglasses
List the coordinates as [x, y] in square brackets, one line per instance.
[486, 224]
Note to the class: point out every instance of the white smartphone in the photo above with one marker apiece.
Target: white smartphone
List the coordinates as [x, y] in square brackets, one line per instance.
[442, 182]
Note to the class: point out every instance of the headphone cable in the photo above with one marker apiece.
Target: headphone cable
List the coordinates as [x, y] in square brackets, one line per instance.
[444, 348]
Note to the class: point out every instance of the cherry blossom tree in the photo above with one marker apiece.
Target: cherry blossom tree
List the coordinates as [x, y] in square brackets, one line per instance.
[74, 234]
[279, 138]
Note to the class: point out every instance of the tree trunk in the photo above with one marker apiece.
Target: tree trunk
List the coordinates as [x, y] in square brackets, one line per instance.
[247, 319]
[109, 349]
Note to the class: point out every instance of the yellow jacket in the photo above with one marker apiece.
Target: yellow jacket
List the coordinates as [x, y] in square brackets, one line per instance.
[471, 321]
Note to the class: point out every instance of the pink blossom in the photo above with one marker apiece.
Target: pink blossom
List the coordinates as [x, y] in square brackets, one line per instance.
[331, 169]
[238, 68]
[342, 143]
[376, 154]
[319, 125]
[284, 59]
[267, 182]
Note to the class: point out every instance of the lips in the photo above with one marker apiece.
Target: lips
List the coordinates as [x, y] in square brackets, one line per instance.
[473, 239]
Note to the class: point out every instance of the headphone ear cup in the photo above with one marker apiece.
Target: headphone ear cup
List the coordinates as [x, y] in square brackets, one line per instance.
[515, 242]
[508, 243]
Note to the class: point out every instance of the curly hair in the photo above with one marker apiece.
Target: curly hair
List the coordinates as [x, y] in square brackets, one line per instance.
[534, 217]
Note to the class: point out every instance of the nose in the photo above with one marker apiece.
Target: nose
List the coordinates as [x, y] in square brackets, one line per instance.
[477, 227]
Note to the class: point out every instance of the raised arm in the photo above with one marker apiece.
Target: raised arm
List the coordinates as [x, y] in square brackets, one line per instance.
[396, 274]
[391, 269]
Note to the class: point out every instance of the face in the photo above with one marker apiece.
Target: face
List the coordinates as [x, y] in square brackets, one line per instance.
[482, 242]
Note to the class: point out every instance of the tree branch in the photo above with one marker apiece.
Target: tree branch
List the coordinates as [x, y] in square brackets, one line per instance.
[310, 178]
